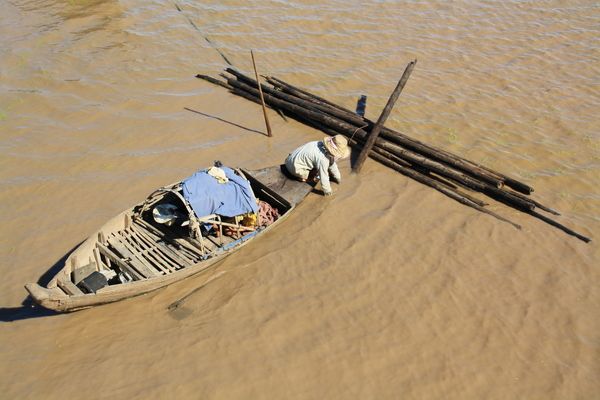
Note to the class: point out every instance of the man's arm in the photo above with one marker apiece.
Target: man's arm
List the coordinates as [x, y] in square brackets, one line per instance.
[324, 174]
[335, 172]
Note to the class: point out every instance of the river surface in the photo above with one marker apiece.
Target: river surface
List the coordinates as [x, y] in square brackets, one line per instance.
[386, 290]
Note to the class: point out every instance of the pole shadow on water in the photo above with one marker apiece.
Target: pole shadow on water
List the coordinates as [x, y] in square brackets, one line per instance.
[224, 120]
[28, 308]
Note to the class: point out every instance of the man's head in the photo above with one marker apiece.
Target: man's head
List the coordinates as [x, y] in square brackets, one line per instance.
[337, 146]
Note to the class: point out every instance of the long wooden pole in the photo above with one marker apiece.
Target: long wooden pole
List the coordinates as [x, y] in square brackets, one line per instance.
[382, 155]
[262, 99]
[560, 226]
[437, 186]
[383, 117]
[357, 121]
[479, 171]
[350, 131]
[400, 158]
[311, 101]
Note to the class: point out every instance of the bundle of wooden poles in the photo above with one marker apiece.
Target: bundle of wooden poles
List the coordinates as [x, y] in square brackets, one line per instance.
[448, 173]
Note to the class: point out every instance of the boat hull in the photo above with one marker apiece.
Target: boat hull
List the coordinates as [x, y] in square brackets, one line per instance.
[56, 296]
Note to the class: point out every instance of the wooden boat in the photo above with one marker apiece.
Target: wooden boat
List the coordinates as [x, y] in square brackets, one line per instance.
[140, 255]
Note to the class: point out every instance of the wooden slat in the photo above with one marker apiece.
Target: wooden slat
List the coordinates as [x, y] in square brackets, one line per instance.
[120, 263]
[80, 273]
[194, 247]
[98, 259]
[213, 241]
[102, 240]
[182, 244]
[145, 254]
[153, 251]
[195, 254]
[138, 262]
[69, 288]
[150, 253]
[163, 247]
[151, 229]
[172, 256]
[157, 235]
[208, 245]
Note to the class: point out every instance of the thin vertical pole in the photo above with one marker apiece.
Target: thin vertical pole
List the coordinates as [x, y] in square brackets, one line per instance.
[262, 98]
[384, 115]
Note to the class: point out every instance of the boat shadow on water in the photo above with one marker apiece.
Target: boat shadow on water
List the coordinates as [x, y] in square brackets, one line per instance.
[29, 309]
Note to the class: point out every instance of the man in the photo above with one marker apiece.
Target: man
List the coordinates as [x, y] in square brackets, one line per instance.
[321, 157]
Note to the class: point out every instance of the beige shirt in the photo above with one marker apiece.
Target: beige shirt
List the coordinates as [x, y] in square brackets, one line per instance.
[313, 155]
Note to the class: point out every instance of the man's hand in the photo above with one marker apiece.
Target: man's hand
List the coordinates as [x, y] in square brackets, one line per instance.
[336, 179]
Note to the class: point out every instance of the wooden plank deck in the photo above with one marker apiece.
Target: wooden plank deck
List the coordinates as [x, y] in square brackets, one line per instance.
[124, 266]
[133, 257]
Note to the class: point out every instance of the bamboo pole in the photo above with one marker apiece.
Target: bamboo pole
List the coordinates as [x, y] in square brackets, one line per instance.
[316, 116]
[439, 187]
[383, 117]
[560, 226]
[332, 126]
[420, 176]
[262, 99]
[536, 203]
[487, 174]
[403, 163]
[350, 131]
[213, 81]
[395, 137]
[303, 94]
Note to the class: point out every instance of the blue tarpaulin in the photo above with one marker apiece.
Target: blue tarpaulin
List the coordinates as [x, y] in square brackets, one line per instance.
[207, 196]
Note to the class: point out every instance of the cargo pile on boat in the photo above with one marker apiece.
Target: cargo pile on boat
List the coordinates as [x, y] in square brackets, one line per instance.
[446, 172]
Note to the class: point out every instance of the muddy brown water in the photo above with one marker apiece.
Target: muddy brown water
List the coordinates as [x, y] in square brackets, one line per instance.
[388, 289]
